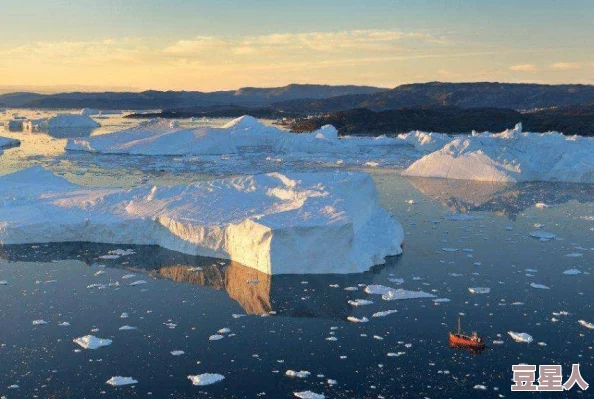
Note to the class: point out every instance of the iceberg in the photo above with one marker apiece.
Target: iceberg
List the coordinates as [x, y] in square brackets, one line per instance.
[92, 342]
[89, 111]
[426, 142]
[520, 337]
[205, 379]
[6, 142]
[276, 223]
[160, 137]
[62, 121]
[119, 381]
[511, 156]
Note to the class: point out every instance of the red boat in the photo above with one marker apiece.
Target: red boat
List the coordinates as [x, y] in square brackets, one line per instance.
[460, 340]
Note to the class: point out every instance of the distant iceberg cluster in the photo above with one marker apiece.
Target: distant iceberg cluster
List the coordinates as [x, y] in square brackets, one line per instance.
[511, 156]
[162, 137]
[275, 223]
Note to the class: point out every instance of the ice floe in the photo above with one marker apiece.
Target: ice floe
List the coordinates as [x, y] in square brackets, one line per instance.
[297, 374]
[274, 223]
[308, 395]
[479, 290]
[539, 286]
[119, 381]
[511, 156]
[205, 379]
[393, 294]
[586, 324]
[92, 342]
[542, 235]
[520, 337]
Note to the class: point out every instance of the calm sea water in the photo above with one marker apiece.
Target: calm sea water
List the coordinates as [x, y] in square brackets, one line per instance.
[282, 323]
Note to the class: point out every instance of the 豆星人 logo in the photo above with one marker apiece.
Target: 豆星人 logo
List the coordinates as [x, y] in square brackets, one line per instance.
[550, 378]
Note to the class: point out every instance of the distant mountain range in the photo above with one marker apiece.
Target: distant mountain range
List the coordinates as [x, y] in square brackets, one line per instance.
[245, 97]
[573, 119]
[518, 96]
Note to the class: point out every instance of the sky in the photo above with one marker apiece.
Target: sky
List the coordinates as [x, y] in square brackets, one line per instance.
[227, 44]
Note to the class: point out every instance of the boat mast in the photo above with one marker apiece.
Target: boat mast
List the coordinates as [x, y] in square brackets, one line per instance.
[459, 328]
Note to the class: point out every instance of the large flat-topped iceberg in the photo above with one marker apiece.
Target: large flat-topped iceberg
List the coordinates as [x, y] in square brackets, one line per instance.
[511, 156]
[61, 121]
[275, 223]
[162, 137]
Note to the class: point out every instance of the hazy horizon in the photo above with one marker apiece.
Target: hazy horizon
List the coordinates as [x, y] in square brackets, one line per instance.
[206, 46]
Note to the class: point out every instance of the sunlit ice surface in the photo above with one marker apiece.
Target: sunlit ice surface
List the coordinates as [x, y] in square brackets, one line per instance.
[459, 235]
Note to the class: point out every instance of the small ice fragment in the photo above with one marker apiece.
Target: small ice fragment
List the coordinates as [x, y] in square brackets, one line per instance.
[572, 272]
[124, 315]
[205, 379]
[480, 387]
[137, 282]
[215, 337]
[297, 374]
[92, 342]
[575, 255]
[3, 282]
[520, 337]
[119, 381]
[539, 286]
[441, 300]
[542, 235]
[126, 328]
[479, 290]
[450, 249]
[356, 320]
[224, 330]
[177, 353]
[542, 205]
[64, 324]
[360, 302]
[128, 276]
[38, 322]
[308, 395]
[384, 313]
[584, 323]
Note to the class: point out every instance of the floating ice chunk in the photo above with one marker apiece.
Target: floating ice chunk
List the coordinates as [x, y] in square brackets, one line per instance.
[124, 315]
[360, 302]
[450, 249]
[64, 324]
[392, 294]
[137, 282]
[572, 272]
[128, 276]
[542, 205]
[575, 255]
[384, 313]
[308, 395]
[119, 381]
[215, 337]
[91, 342]
[3, 282]
[586, 324]
[205, 379]
[497, 342]
[441, 300]
[177, 353]
[397, 354]
[122, 252]
[224, 330]
[479, 290]
[126, 328]
[297, 374]
[520, 337]
[480, 387]
[542, 235]
[539, 286]
[356, 320]
[462, 217]
[38, 322]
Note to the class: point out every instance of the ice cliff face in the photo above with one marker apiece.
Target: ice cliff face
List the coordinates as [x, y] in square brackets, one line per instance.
[275, 223]
[511, 156]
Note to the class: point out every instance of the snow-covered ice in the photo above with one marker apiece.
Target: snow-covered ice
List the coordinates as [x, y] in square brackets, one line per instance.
[426, 142]
[586, 324]
[511, 156]
[274, 223]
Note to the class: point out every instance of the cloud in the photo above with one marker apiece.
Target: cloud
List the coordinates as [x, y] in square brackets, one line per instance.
[323, 42]
[566, 66]
[524, 68]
